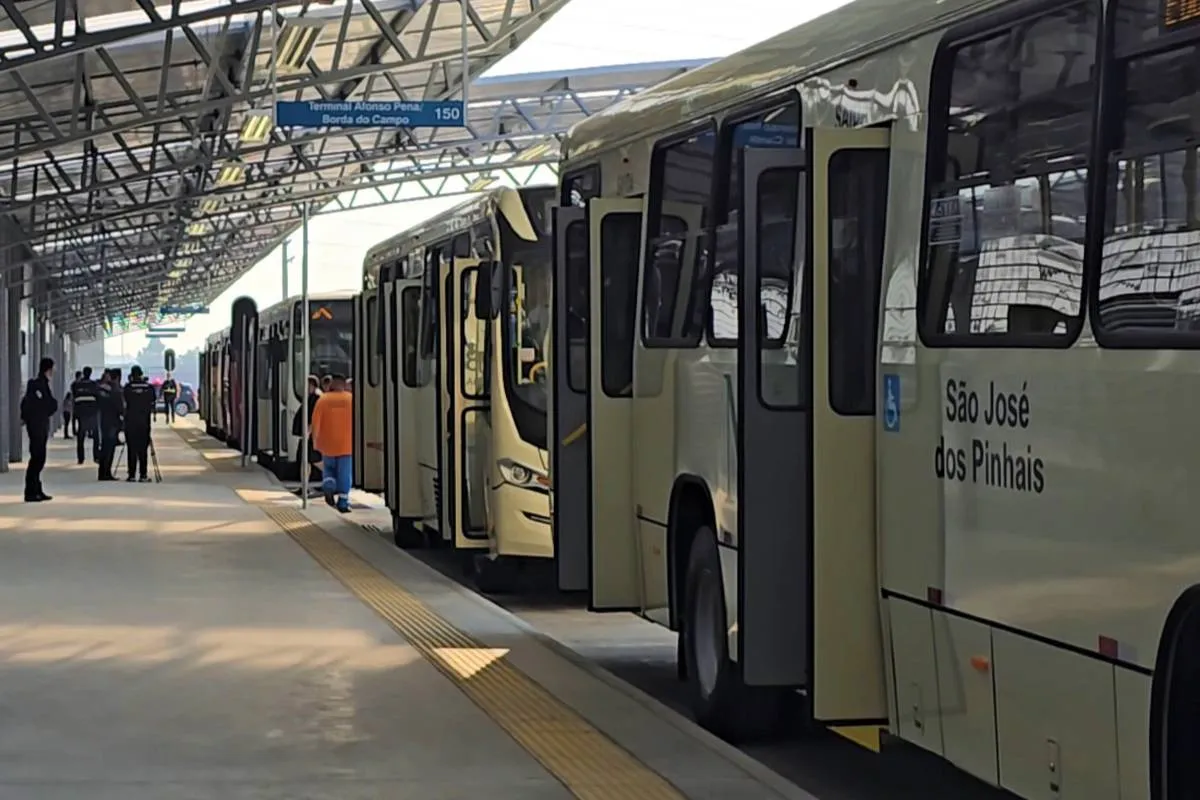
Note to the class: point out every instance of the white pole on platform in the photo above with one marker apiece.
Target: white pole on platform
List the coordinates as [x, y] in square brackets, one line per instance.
[285, 269]
[466, 60]
[306, 359]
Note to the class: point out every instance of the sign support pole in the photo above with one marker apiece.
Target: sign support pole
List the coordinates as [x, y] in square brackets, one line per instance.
[466, 60]
[306, 358]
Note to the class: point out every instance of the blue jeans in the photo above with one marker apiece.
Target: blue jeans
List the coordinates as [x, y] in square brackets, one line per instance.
[337, 473]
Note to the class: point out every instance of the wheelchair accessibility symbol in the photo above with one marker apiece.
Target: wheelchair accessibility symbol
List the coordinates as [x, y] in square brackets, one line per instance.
[891, 403]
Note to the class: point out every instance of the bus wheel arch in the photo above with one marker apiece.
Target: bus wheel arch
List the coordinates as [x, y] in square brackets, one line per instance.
[719, 698]
[690, 509]
[1175, 703]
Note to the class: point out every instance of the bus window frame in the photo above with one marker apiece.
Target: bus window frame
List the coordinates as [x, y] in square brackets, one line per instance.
[466, 317]
[569, 179]
[650, 221]
[410, 369]
[371, 328]
[737, 116]
[1107, 154]
[981, 27]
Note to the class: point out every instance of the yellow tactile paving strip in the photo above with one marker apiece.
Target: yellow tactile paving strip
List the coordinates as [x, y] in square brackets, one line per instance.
[589, 764]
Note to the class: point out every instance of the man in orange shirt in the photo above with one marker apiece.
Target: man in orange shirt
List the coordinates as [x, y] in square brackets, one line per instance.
[333, 436]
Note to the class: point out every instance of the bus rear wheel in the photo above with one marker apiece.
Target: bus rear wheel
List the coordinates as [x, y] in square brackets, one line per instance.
[406, 534]
[494, 574]
[721, 702]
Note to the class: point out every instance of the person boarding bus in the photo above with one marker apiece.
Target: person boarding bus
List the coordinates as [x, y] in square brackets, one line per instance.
[333, 436]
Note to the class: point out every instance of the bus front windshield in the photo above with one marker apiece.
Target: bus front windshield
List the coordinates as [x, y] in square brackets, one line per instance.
[527, 336]
[331, 345]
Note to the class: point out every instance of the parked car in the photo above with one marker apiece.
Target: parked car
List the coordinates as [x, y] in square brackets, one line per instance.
[185, 402]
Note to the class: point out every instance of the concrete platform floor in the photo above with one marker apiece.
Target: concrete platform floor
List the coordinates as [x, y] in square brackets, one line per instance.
[163, 641]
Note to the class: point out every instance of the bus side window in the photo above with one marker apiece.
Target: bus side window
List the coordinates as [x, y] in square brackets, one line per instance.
[857, 223]
[373, 327]
[619, 244]
[410, 310]
[680, 207]
[776, 128]
[1008, 210]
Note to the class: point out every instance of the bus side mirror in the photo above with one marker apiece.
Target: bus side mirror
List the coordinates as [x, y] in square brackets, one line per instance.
[489, 287]
[169, 360]
[483, 291]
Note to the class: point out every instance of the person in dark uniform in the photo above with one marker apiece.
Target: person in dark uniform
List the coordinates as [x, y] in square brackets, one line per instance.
[111, 415]
[38, 407]
[84, 396]
[139, 406]
[170, 393]
[68, 407]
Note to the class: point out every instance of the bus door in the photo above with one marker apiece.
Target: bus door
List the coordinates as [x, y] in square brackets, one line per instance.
[808, 611]
[265, 411]
[402, 382]
[654, 392]
[466, 427]
[202, 390]
[278, 415]
[614, 237]
[358, 315]
[370, 384]
[570, 444]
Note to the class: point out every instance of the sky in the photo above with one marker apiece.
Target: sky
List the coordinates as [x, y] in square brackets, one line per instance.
[586, 33]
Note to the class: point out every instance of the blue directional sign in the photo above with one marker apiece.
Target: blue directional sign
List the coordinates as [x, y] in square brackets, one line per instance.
[891, 403]
[167, 329]
[370, 114]
[185, 310]
[160, 335]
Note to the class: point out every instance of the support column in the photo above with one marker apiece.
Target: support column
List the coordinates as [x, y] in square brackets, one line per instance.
[58, 352]
[37, 337]
[15, 287]
[7, 400]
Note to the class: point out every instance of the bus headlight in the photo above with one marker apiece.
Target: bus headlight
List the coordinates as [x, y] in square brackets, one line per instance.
[525, 477]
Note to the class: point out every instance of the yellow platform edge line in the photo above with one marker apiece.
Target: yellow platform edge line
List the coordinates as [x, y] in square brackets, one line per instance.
[587, 762]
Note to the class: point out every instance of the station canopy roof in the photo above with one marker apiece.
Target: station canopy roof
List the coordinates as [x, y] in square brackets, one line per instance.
[141, 163]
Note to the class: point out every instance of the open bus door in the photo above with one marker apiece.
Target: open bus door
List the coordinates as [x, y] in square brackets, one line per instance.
[808, 610]
[614, 237]
[400, 321]
[465, 429]
[277, 354]
[202, 391]
[570, 443]
[361, 349]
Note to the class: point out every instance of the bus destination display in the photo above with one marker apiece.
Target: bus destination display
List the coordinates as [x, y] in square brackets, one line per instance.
[1176, 13]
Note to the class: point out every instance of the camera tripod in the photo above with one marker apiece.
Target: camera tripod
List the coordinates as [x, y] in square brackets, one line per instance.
[153, 461]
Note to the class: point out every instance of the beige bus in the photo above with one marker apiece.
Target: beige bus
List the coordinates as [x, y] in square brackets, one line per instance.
[465, 310]
[871, 349]
[280, 377]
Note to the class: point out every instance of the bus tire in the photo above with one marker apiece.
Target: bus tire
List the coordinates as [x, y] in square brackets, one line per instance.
[1175, 704]
[405, 533]
[494, 575]
[721, 702]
